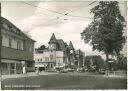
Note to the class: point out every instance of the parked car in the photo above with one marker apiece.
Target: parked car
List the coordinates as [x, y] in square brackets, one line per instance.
[70, 70]
[102, 71]
[91, 69]
[63, 71]
[80, 70]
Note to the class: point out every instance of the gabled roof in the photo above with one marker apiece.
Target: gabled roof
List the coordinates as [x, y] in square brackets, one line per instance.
[11, 25]
[53, 39]
[61, 44]
[71, 46]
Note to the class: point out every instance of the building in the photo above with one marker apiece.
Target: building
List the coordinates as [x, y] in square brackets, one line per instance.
[17, 49]
[57, 55]
[80, 56]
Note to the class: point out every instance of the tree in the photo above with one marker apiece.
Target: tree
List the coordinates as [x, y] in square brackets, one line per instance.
[87, 61]
[122, 63]
[97, 60]
[105, 32]
[41, 49]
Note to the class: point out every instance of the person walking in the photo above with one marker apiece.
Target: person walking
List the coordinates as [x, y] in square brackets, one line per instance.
[37, 70]
[24, 69]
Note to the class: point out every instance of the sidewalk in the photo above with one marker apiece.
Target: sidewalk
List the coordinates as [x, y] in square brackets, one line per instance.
[70, 73]
[26, 75]
[96, 75]
[117, 76]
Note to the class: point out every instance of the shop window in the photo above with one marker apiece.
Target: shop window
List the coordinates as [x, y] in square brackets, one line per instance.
[51, 65]
[29, 64]
[18, 68]
[12, 66]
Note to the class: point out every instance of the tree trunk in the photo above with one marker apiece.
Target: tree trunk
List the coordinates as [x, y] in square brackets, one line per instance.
[107, 67]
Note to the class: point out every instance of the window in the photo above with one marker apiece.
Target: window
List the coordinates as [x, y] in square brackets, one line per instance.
[5, 26]
[10, 42]
[18, 45]
[51, 65]
[31, 48]
[46, 59]
[29, 64]
[51, 57]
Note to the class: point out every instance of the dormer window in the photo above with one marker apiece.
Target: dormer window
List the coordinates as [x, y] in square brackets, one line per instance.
[5, 26]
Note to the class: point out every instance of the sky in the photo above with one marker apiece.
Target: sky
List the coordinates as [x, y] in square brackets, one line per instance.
[41, 19]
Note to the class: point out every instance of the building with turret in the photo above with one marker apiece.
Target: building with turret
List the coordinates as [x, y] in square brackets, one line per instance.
[54, 56]
[58, 54]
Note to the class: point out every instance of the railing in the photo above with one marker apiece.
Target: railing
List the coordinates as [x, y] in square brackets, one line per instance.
[118, 72]
[10, 53]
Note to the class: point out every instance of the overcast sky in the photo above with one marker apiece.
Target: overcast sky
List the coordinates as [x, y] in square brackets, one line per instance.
[47, 18]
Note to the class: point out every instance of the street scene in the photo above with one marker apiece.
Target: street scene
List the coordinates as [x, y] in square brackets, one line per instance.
[63, 45]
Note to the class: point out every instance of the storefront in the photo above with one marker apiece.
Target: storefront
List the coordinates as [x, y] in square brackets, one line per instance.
[45, 66]
[11, 67]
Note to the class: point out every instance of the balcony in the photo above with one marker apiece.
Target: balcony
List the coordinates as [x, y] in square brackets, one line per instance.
[10, 53]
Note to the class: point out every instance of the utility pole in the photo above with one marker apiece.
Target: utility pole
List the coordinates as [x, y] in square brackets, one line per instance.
[0, 42]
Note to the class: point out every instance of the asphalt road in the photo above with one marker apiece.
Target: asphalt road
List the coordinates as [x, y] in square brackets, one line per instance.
[64, 81]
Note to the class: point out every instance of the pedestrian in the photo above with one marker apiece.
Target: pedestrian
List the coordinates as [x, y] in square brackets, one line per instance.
[24, 69]
[37, 70]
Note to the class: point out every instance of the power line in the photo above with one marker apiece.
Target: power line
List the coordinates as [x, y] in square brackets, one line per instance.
[66, 14]
[84, 6]
[44, 8]
[62, 15]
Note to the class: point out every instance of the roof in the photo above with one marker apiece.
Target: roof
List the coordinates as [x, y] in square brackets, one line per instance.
[11, 25]
[53, 39]
[61, 44]
[71, 45]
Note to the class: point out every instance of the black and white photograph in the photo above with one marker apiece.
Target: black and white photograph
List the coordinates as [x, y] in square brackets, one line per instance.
[63, 45]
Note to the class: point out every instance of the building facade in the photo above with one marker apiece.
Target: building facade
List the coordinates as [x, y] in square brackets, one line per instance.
[80, 56]
[17, 49]
[57, 55]
[54, 56]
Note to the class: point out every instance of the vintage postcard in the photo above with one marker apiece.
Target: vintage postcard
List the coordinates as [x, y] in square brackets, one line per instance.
[63, 45]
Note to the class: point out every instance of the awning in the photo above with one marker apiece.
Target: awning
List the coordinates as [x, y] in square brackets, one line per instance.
[40, 65]
[10, 61]
[110, 61]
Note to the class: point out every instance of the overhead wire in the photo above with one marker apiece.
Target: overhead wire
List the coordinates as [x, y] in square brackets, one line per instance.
[64, 14]
[61, 14]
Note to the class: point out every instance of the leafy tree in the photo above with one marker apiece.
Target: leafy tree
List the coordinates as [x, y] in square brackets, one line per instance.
[105, 32]
[98, 61]
[122, 63]
[87, 61]
[41, 49]
[95, 60]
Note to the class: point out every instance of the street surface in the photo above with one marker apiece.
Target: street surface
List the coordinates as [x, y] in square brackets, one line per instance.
[65, 81]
